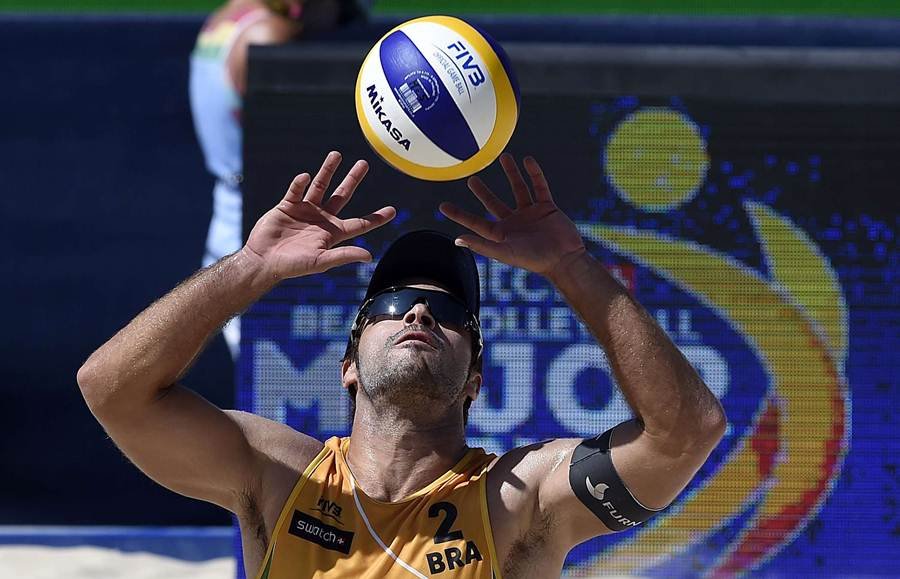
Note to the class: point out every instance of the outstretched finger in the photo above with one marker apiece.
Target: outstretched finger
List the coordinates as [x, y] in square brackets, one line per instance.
[344, 191]
[479, 225]
[320, 183]
[295, 191]
[361, 225]
[487, 197]
[516, 181]
[538, 181]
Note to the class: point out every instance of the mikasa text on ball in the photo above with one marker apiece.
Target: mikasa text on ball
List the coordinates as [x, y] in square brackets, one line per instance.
[437, 99]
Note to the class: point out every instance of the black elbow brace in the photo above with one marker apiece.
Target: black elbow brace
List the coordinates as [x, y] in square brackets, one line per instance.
[597, 484]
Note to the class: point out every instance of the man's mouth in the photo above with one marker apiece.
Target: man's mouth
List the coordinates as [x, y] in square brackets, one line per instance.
[416, 336]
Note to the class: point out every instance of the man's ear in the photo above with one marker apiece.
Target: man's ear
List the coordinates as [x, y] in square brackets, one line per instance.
[349, 376]
[473, 385]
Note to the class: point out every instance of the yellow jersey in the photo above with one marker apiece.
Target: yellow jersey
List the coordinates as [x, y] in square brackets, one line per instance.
[330, 528]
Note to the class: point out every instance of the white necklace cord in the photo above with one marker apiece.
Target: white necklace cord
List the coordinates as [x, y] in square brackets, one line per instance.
[375, 536]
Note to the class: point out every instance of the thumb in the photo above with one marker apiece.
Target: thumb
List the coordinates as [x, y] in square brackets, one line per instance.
[339, 256]
[482, 246]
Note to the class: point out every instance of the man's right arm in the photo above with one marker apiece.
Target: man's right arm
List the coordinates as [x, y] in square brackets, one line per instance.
[130, 384]
[172, 434]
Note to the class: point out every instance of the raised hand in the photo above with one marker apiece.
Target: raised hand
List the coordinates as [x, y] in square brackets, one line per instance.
[536, 235]
[298, 236]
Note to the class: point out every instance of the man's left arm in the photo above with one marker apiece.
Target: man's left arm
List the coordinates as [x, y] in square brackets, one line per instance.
[622, 477]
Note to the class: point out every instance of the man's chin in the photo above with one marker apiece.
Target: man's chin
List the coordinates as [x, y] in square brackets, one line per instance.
[407, 373]
[410, 378]
[419, 355]
[410, 370]
[412, 397]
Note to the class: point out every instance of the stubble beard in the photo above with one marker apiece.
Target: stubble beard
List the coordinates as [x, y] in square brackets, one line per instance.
[404, 379]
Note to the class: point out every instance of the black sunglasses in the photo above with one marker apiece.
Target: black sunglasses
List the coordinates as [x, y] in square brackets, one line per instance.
[394, 302]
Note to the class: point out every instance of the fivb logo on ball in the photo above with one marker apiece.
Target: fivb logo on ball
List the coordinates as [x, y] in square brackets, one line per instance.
[437, 99]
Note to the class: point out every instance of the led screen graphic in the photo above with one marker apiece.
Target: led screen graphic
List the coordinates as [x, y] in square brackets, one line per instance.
[762, 239]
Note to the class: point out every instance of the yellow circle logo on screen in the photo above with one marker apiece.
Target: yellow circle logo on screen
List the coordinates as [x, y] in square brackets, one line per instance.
[656, 159]
[791, 314]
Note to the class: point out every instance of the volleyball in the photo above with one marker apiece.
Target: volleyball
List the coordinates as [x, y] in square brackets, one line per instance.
[437, 98]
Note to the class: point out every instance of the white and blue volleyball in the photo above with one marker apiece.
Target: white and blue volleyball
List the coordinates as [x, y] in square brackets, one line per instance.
[437, 98]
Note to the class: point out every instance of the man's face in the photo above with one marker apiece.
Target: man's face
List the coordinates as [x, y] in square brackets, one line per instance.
[413, 361]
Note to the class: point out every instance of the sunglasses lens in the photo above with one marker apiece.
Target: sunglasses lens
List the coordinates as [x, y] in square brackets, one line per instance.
[445, 309]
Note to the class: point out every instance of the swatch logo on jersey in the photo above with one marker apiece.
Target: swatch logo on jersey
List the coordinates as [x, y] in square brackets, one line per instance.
[794, 319]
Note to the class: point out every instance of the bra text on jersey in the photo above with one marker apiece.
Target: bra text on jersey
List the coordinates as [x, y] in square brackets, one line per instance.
[452, 558]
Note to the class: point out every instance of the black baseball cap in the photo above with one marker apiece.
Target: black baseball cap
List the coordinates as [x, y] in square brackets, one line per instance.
[427, 255]
[431, 255]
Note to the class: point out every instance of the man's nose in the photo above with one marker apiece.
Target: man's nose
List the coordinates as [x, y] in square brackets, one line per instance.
[419, 314]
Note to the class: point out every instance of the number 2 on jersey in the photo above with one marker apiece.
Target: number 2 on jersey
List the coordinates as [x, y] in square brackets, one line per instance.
[444, 533]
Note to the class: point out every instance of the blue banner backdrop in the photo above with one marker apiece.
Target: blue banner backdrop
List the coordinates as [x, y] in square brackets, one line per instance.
[762, 239]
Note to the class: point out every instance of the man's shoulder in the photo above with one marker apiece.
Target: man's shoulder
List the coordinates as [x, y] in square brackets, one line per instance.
[533, 459]
[282, 455]
[514, 478]
[277, 441]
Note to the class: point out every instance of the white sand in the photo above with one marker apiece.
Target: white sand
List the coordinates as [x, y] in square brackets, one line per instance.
[35, 562]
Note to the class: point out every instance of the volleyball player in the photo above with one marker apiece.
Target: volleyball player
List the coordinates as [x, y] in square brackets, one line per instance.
[404, 495]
